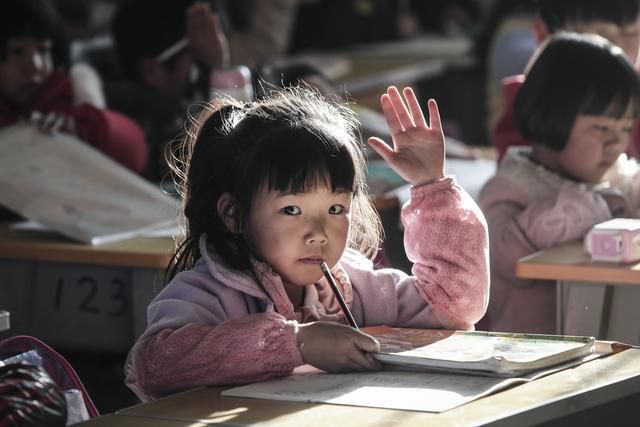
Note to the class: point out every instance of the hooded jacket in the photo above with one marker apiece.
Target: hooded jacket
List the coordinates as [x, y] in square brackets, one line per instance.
[213, 325]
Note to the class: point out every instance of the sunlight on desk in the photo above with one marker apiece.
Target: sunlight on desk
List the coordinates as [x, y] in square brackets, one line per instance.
[225, 416]
[600, 384]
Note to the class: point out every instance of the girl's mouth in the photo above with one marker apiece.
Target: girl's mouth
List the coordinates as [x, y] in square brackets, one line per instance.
[312, 260]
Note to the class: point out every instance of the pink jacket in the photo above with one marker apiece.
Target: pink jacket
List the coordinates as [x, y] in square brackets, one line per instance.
[529, 208]
[212, 325]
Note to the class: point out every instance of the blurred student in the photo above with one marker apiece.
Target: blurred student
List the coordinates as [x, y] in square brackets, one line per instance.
[616, 20]
[167, 50]
[35, 86]
[576, 108]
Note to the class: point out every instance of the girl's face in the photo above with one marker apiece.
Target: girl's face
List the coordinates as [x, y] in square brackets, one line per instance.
[27, 64]
[594, 145]
[294, 233]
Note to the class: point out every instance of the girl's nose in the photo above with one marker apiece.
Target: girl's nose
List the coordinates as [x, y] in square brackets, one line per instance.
[316, 234]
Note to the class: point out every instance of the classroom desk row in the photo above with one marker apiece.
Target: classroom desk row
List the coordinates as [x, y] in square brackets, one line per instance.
[605, 390]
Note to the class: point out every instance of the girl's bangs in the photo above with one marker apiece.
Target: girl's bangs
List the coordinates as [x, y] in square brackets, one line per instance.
[613, 96]
[310, 161]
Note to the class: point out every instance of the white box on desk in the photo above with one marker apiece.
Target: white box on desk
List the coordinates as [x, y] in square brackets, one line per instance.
[615, 240]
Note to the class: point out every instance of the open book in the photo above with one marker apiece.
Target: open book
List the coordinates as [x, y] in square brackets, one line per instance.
[68, 186]
[480, 353]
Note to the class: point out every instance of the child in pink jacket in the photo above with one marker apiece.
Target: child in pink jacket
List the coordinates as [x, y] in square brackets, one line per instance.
[576, 108]
[273, 188]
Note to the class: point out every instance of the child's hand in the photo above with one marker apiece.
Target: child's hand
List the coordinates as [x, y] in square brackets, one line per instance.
[418, 150]
[333, 347]
[53, 122]
[207, 41]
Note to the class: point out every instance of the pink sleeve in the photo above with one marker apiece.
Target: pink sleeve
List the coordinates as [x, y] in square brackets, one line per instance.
[517, 231]
[446, 238]
[248, 349]
[568, 216]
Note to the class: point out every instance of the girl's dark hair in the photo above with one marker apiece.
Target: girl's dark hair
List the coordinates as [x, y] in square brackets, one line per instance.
[33, 18]
[574, 74]
[559, 14]
[291, 140]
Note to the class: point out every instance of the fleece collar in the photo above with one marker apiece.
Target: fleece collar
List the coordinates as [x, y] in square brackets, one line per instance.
[262, 282]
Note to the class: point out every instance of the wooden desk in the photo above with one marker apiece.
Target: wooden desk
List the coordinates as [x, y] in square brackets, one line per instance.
[606, 289]
[113, 420]
[80, 296]
[604, 387]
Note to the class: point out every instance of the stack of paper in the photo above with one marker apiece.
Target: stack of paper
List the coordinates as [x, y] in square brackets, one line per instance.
[70, 187]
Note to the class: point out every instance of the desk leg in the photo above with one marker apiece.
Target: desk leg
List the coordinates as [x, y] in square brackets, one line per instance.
[560, 307]
[605, 313]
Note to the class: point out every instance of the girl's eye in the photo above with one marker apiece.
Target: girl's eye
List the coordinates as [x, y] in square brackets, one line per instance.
[602, 128]
[291, 210]
[336, 209]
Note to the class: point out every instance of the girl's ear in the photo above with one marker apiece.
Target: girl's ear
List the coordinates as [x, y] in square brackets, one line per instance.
[227, 211]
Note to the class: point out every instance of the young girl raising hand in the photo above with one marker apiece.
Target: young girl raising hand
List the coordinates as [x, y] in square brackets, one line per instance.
[271, 189]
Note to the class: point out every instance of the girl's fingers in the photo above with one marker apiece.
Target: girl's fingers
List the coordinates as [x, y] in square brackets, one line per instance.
[414, 107]
[390, 115]
[400, 108]
[381, 148]
[361, 361]
[434, 115]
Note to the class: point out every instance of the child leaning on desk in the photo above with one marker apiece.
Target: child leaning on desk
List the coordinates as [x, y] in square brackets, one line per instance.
[576, 108]
[273, 188]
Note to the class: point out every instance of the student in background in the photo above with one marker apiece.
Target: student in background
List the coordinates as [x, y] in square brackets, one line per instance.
[167, 50]
[34, 85]
[274, 187]
[576, 108]
[616, 20]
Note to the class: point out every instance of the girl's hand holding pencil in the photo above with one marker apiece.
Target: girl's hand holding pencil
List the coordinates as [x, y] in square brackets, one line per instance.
[334, 347]
[418, 148]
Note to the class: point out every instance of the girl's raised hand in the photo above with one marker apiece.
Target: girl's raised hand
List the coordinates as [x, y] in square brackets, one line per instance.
[418, 149]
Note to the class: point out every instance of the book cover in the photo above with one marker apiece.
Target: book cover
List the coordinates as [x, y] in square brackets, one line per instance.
[476, 352]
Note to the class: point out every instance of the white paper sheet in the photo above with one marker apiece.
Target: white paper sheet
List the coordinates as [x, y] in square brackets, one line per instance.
[414, 391]
[70, 187]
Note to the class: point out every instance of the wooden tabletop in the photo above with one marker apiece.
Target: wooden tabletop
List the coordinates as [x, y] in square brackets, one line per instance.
[112, 420]
[598, 382]
[569, 262]
[53, 247]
